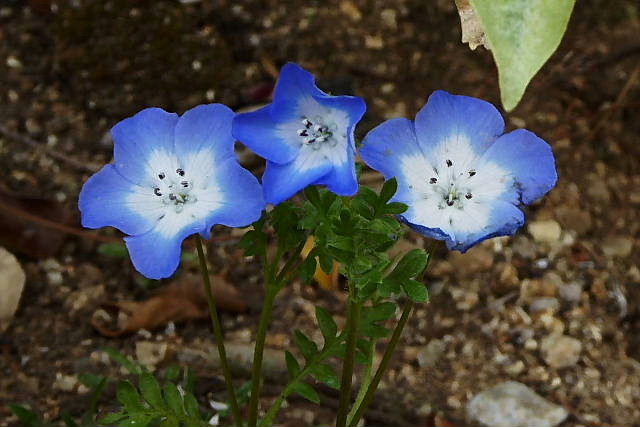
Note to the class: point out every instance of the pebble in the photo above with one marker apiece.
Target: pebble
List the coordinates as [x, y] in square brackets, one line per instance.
[514, 404]
[547, 231]
[570, 292]
[65, 382]
[431, 353]
[560, 351]
[544, 304]
[12, 278]
[151, 354]
[617, 246]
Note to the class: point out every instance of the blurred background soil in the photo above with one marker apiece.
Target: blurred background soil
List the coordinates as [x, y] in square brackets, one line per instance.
[71, 70]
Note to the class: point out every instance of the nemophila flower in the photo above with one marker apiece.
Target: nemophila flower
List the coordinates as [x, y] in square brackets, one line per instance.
[463, 180]
[171, 177]
[305, 135]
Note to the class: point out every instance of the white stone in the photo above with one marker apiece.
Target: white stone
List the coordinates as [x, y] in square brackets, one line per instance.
[560, 351]
[547, 231]
[514, 404]
[12, 280]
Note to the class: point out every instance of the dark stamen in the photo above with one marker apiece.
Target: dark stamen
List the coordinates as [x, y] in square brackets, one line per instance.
[303, 133]
[172, 196]
[449, 202]
[468, 195]
[433, 180]
[157, 192]
[472, 172]
[180, 172]
[185, 183]
[161, 175]
[449, 163]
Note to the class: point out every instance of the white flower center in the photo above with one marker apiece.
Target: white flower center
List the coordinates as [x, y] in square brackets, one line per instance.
[451, 187]
[174, 188]
[316, 133]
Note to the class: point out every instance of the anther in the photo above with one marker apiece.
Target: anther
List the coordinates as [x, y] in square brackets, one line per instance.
[449, 163]
[472, 172]
[468, 195]
[302, 132]
[449, 202]
[172, 196]
[180, 172]
[306, 123]
[433, 180]
[157, 192]
[161, 175]
[309, 140]
[185, 184]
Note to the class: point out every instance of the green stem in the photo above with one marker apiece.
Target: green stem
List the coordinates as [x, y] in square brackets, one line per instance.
[397, 333]
[258, 352]
[366, 380]
[328, 351]
[353, 323]
[217, 331]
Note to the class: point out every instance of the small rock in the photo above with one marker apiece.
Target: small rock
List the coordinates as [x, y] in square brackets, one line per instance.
[476, 260]
[570, 292]
[151, 354]
[431, 353]
[548, 231]
[617, 246]
[560, 351]
[65, 382]
[12, 280]
[351, 10]
[544, 304]
[373, 42]
[514, 404]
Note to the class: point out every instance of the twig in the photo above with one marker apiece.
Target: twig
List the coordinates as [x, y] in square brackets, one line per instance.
[90, 167]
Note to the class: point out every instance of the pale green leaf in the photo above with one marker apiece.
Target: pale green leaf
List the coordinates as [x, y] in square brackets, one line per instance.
[522, 35]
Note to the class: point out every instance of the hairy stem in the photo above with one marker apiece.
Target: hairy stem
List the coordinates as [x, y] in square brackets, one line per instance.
[353, 324]
[217, 331]
[395, 338]
[366, 381]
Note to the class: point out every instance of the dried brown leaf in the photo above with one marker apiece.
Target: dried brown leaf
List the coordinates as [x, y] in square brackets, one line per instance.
[472, 30]
[177, 302]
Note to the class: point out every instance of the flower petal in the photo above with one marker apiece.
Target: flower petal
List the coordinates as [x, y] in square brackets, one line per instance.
[139, 139]
[386, 145]
[448, 118]
[354, 106]
[342, 178]
[295, 82]
[205, 128]
[281, 182]
[530, 160]
[260, 132]
[156, 254]
[107, 199]
[242, 201]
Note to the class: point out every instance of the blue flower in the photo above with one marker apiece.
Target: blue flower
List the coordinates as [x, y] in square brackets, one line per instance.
[463, 180]
[305, 135]
[171, 177]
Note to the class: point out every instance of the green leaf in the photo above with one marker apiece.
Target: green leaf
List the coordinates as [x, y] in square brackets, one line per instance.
[139, 420]
[326, 262]
[306, 391]
[389, 188]
[522, 35]
[172, 372]
[390, 286]
[307, 347]
[116, 250]
[326, 374]
[112, 418]
[128, 396]
[369, 196]
[173, 398]
[308, 268]
[91, 381]
[411, 265]
[124, 361]
[293, 367]
[395, 208]
[313, 195]
[415, 290]
[151, 392]
[327, 325]
[382, 311]
[26, 416]
[191, 406]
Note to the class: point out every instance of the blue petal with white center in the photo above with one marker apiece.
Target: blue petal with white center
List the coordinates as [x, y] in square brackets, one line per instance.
[161, 192]
[462, 181]
[305, 135]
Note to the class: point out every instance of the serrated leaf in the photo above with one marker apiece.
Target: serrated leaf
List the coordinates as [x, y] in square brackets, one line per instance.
[362, 208]
[327, 325]
[124, 361]
[415, 290]
[26, 416]
[191, 406]
[313, 195]
[326, 374]
[173, 398]
[307, 347]
[374, 331]
[381, 311]
[369, 196]
[128, 396]
[112, 418]
[522, 34]
[151, 392]
[306, 391]
[389, 188]
[293, 367]
[411, 265]
[139, 420]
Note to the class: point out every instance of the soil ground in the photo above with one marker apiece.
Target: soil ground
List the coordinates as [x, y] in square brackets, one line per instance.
[71, 70]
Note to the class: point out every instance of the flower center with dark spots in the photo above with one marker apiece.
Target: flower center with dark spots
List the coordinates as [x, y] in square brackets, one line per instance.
[174, 189]
[316, 133]
[453, 188]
